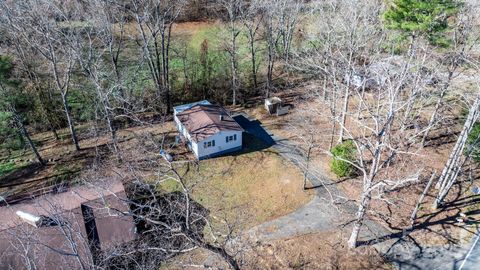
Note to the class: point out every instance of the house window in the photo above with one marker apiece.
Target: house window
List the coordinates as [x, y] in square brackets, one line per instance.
[209, 144]
[231, 138]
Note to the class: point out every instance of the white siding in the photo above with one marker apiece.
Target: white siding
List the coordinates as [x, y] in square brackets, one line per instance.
[183, 131]
[194, 148]
[221, 144]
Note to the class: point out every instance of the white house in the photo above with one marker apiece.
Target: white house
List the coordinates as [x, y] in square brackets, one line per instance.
[209, 129]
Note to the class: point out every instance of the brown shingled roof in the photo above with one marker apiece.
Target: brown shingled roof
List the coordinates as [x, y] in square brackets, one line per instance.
[203, 121]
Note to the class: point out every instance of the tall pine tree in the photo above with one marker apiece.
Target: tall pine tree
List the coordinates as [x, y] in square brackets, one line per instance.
[428, 18]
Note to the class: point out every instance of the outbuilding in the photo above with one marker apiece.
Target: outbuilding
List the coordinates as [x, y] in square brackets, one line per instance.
[73, 229]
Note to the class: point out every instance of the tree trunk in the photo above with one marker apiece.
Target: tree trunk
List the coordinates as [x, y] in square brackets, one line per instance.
[270, 71]
[254, 63]
[414, 213]
[433, 117]
[344, 114]
[24, 132]
[111, 128]
[55, 134]
[359, 216]
[233, 59]
[71, 126]
[452, 167]
[227, 257]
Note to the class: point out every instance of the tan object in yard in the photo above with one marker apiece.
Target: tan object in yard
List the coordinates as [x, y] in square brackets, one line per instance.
[274, 106]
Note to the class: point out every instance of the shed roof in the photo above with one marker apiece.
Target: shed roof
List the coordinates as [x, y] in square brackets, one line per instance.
[49, 245]
[203, 121]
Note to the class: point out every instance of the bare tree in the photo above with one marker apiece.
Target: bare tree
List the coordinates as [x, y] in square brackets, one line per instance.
[347, 33]
[233, 8]
[7, 102]
[289, 16]
[252, 17]
[376, 144]
[97, 51]
[31, 68]
[351, 61]
[453, 165]
[154, 20]
[271, 12]
[35, 23]
[463, 43]
[279, 21]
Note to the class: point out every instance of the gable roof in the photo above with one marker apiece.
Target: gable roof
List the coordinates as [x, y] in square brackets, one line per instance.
[203, 121]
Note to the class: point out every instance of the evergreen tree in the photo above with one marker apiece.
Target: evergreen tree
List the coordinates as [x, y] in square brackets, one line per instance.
[428, 18]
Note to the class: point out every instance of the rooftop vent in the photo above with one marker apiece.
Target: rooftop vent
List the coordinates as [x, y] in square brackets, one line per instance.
[37, 221]
[221, 117]
[31, 219]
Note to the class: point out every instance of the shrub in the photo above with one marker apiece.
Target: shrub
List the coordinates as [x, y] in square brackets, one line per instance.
[342, 153]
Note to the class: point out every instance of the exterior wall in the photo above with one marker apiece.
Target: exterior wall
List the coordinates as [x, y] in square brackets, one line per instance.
[221, 146]
[183, 131]
[194, 148]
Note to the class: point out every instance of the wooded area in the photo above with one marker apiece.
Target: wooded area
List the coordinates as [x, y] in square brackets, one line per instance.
[384, 95]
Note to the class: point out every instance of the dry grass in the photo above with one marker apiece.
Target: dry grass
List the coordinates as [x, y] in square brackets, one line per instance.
[326, 250]
[247, 189]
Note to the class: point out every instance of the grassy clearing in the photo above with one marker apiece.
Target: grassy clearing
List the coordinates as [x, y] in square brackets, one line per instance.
[250, 188]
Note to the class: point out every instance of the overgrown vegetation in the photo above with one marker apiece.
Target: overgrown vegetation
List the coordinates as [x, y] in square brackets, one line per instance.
[343, 157]
[6, 168]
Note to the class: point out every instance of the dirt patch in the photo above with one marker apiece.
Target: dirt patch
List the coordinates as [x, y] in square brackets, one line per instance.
[313, 251]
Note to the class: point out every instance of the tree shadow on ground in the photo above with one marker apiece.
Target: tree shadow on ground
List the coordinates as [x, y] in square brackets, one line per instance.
[35, 179]
[24, 171]
[426, 225]
[460, 213]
